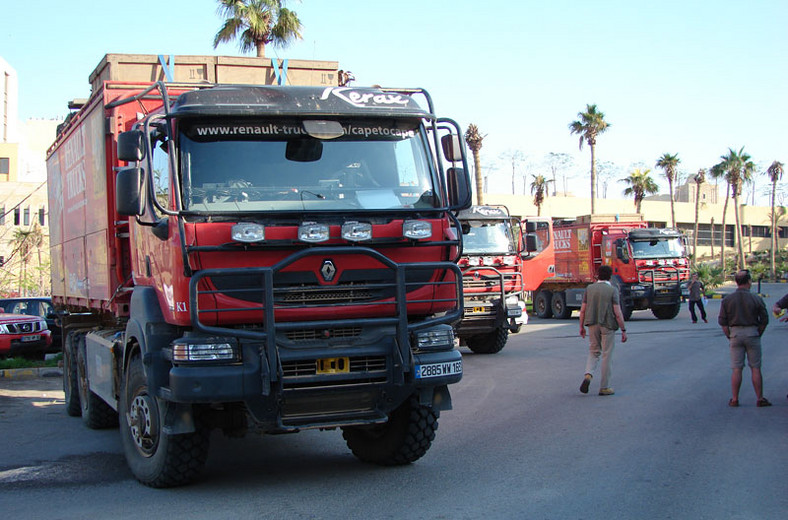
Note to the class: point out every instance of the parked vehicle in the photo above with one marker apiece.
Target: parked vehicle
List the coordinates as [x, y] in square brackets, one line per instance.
[271, 259]
[648, 264]
[36, 306]
[23, 336]
[495, 264]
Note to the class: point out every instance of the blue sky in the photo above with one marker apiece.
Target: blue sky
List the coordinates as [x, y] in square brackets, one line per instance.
[686, 77]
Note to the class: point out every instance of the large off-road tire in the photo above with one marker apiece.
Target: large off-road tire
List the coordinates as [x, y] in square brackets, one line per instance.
[490, 343]
[96, 414]
[405, 438]
[666, 312]
[626, 311]
[156, 459]
[70, 378]
[558, 306]
[542, 306]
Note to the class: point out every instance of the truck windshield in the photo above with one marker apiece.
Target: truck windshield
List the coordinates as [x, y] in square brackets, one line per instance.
[255, 165]
[663, 248]
[487, 237]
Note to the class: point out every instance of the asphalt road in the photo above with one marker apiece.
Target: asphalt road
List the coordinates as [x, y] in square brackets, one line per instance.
[521, 442]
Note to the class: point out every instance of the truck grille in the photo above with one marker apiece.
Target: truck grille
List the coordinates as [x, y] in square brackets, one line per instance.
[363, 370]
[322, 334]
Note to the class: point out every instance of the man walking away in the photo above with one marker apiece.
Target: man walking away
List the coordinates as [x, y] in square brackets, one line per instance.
[743, 318]
[601, 312]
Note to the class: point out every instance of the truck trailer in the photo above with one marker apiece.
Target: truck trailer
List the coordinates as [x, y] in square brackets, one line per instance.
[257, 258]
[499, 264]
[649, 265]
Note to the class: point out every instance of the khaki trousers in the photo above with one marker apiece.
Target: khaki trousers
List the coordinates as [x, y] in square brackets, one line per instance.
[602, 341]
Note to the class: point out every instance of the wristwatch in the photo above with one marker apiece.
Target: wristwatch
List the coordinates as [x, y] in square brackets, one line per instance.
[623, 330]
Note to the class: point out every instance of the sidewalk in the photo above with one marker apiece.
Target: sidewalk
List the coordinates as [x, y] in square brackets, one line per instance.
[25, 373]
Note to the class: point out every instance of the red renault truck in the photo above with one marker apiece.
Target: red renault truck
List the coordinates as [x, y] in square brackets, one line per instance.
[499, 264]
[649, 265]
[257, 258]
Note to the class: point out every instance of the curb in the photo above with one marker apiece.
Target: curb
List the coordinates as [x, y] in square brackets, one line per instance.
[28, 373]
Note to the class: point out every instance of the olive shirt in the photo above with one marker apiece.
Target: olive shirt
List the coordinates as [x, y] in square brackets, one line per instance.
[600, 297]
[743, 308]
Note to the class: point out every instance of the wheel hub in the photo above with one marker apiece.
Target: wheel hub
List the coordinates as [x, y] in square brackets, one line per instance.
[142, 423]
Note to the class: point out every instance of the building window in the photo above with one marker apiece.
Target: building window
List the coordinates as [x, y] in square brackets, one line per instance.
[27, 216]
[17, 216]
[41, 215]
[757, 231]
[2, 215]
[704, 235]
[5, 165]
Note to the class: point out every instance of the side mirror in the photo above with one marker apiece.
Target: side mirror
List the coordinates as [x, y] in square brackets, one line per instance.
[131, 146]
[304, 150]
[530, 226]
[452, 147]
[128, 192]
[458, 184]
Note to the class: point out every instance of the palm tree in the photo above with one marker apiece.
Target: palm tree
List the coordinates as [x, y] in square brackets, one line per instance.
[668, 163]
[640, 185]
[590, 124]
[775, 173]
[739, 168]
[24, 242]
[700, 178]
[538, 189]
[474, 140]
[257, 23]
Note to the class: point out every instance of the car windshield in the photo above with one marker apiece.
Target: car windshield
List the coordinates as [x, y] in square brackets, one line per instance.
[662, 248]
[256, 165]
[487, 237]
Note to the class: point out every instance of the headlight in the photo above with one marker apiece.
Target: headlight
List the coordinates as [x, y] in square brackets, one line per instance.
[3, 329]
[512, 300]
[312, 232]
[357, 231]
[184, 351]
[439, 338]
[416, 229]
[248, 232]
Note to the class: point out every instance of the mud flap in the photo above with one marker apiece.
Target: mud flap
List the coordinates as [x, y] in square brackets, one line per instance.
[437, 397]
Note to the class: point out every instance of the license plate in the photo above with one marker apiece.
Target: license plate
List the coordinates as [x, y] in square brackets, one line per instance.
[35, 337]
[335, 365]
[449, 368]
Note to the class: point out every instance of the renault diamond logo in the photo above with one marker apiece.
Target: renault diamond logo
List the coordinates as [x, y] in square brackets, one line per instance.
[328, 270]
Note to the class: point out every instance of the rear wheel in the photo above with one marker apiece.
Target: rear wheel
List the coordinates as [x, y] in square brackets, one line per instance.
[490, 343]
[666, 312]
[405, 438]
[542, 304]
[96, 414]
[156, 459]
[70, 379]
[558, 306]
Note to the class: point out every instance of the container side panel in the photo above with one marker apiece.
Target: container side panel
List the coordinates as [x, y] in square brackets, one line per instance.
[98, 267]
[57, 273]
[75, 268]
[96, 173]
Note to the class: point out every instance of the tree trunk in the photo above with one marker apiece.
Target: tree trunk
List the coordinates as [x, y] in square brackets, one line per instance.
[477, 171]
[260, 49]
[695, 233]
[724, 234]
[772, 269]
[593, 179]
[672, 210]
[741, 262]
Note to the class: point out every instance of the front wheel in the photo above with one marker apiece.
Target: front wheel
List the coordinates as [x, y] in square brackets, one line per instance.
[405, 438]
[666, 312]
[490, 343]
[157, 459]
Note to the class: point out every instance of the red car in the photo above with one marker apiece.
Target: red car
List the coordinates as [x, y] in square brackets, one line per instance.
[22, 335]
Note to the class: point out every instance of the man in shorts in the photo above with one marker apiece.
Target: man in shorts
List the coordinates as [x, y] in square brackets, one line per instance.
[743, 318]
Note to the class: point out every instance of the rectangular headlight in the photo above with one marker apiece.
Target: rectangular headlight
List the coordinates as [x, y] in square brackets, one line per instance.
[356, 231]
[416, 229]
[184, 352]
[312, 232]
[248, 232]
[435, 339]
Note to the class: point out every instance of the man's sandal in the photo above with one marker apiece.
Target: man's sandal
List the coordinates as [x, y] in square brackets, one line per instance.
[733, 403]
[762, 402]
